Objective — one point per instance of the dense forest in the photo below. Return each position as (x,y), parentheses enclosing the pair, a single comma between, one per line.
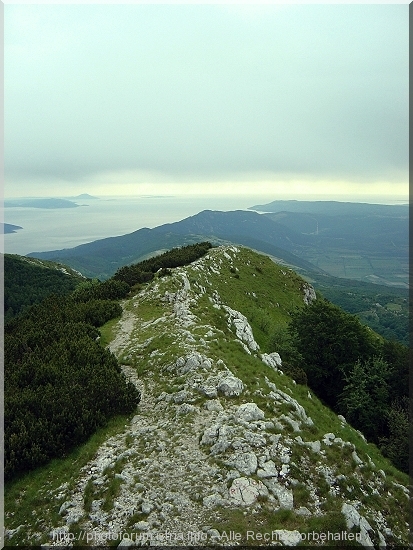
(385,309)
(27,282)
(144,271)
(354,371)
(61,385)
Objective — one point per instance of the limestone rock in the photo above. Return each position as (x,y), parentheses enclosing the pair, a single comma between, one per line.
(192,362)
(243,329)
(248,412)
(273,360)
(309,293)
(356,458)
(126,543)
(213,534)
(268,470)
(303,511)
(246,463)
(142,526)
(286,538)
(354,519)
(64,507)
(210,435)
(315,446)
(208,391)
(186,408)
(213,500)
(245,491)
(146,508)
(213,405)
(230,386)
(328,439)
(284,495)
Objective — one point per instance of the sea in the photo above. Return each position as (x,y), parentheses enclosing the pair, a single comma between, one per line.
(56,229)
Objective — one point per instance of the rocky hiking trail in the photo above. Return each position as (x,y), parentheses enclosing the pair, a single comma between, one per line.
(204,444)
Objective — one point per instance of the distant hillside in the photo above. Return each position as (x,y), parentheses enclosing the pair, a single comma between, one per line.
(28,281)
(367,242)
(103,257)
(334,208)
(309,243)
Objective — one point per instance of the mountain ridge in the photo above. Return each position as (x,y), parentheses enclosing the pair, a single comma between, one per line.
(207,225)
(222,439)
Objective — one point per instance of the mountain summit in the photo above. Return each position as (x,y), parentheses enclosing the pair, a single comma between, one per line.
(224,448)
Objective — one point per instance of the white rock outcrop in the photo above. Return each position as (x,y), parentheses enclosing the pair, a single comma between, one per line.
(243,329)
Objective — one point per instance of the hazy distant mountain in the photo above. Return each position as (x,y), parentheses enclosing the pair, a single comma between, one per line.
(103,257)
(368,242)
(333,208)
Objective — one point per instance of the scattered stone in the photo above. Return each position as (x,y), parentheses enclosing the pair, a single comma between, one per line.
(9,533)
(180,397)
(210,435)
(248,412)
(126,543)
(356,458)
(303,511)
(309,293)
(208,391)
(286,538)
(213,534)
(285,470)
(186,408)
(230,386)
(213,405)
(354,519)
(268,470)
(243,329)
(315,446)
(146,508)
(64,507)
(212,501)
(246,463)
(273,360)
(328,439)
(245,491)
(142,526)
(284,495)
(293,423)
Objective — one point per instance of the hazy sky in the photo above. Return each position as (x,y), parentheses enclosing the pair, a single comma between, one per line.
(151,98)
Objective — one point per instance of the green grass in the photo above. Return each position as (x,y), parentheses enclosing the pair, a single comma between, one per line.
(31,492)
(107,332)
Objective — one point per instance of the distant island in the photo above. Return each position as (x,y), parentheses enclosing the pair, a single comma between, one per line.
(39,203)
(332,208)
(86,196)
(9,228)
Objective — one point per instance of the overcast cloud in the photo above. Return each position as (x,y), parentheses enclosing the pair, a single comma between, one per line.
(108,98)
